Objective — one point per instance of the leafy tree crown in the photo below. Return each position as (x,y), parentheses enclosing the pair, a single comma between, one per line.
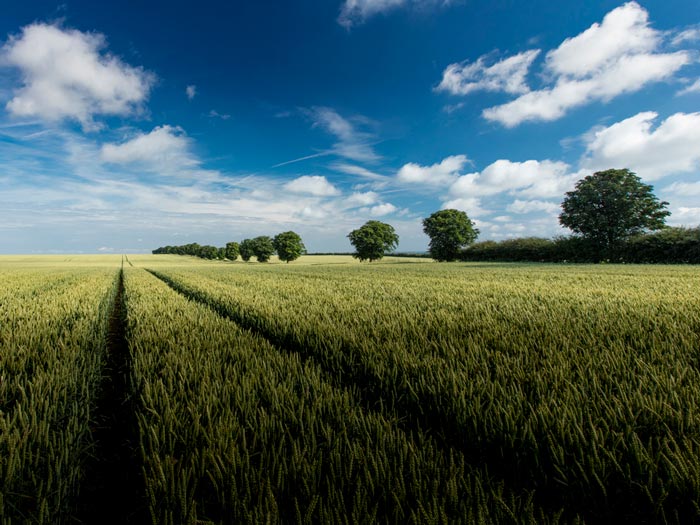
(609,206)
(288,246)
(372,240)
(450,231)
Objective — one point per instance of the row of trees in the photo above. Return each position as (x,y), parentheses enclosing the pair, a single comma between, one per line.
(450,231)
(287,245)
(605,211)
(610,212)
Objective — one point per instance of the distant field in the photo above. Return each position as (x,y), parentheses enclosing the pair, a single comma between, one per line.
(327,391)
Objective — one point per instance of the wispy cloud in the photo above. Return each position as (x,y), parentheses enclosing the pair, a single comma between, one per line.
(353,143)
(506,75)
(355,12)
(215,114)
(191,92)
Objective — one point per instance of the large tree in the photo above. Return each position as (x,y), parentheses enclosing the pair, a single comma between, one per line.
(246,249)
(288,246)
(372,240)
(609,206)
(450,231)
(232,251)
(263,248)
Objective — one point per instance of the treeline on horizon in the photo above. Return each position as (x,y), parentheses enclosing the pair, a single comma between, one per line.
(672,245)
(615,217)
(287,245)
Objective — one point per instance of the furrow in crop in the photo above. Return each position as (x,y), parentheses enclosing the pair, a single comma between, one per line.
(112,491)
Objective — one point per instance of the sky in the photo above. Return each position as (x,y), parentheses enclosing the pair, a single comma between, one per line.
(125,126)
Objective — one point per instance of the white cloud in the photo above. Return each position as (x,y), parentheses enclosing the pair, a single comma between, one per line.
(507,75)
(626,75)
(191,92)
(624,32)
(685,216)
(351,169)
(439,174)
(520,206)
(164,145)
(352,143)
(354,12)
(472,206)
(215,114)
(66,75)
(620,55)
(358,199)
(685,189)
(316,185)
(692,88)
(382,209)
(688,35)
(669,149)
(532,178)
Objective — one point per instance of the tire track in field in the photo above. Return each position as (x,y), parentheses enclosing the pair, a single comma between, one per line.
(112,490)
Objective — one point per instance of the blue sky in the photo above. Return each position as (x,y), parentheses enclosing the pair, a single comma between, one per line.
(125,127)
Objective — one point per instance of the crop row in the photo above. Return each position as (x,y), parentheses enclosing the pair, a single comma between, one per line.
(52,332)
(235,430)
(582,386)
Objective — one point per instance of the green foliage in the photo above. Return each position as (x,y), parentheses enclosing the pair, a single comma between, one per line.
(247,249)
(262,248)
(208,252)
(670,245)
(450,231)
(232,251)
(667,246)
(610,206)
(373,240)
(288,246)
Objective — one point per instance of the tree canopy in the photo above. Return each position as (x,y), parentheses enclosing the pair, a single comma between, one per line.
(262,248)
(288,246)
(246,249)
(450,231)
(610,206)
(232,251)
(372,240)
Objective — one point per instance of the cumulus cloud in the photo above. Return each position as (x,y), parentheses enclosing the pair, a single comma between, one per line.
(191,92)
(439,174)
(622,54)
(671,148)
(66,74)
(316,185)
(382,209)
(359,199)
(521,206)
(507,75)
(531,178)
(472,206)
(164,145)
(354,12)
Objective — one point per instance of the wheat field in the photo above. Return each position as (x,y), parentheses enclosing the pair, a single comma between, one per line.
(328,391)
